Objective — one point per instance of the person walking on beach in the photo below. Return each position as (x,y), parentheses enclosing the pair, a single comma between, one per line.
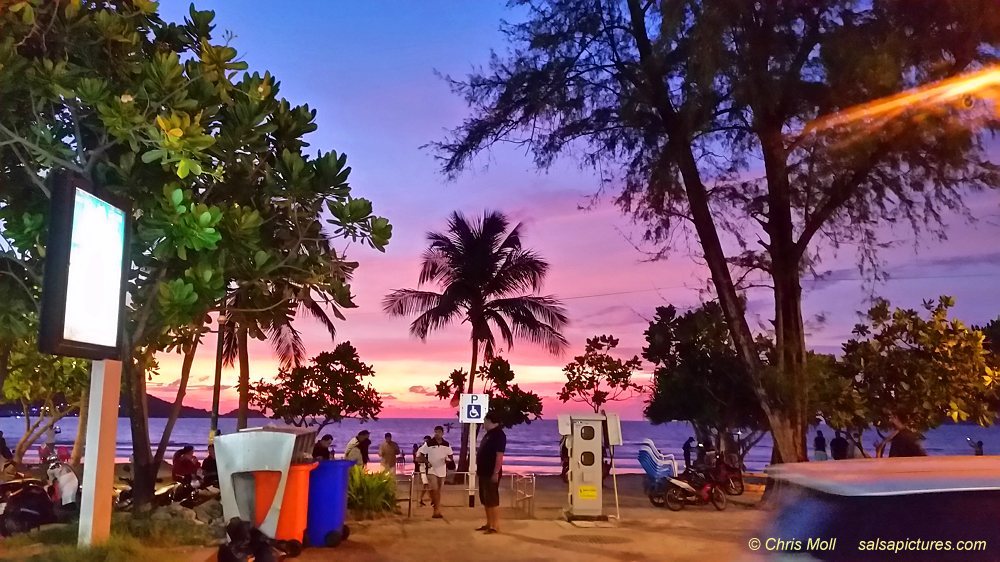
(354,452)
(489,469)
(436,453)
(5,454)
(819,446)
(387,452)
(838,446)
(321,450)
(420,469)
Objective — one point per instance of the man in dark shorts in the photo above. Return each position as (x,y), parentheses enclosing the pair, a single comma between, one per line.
(489,468)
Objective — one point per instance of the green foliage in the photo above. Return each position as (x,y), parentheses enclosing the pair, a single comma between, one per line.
(596,377)
(698,376)
(370,493)
(227,204)
(117,549)
(923,368)
(508,400)
(329,390)
(131,539)
(34,379)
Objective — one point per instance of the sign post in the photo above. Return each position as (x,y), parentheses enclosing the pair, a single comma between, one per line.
(472,410)
(99,470)
(83,299)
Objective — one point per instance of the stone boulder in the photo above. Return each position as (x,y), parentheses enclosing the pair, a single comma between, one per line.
(172,512)
(209,511)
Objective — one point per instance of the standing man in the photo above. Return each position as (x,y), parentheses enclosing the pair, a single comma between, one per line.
(387,452)
(321,450)
(819,446)
(5,453)
(355,452)
(436,454)
(489,469)
(838,446)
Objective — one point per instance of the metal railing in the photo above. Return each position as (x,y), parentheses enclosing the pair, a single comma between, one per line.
(522,488)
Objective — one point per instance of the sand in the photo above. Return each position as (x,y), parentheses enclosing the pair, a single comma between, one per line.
(644,532)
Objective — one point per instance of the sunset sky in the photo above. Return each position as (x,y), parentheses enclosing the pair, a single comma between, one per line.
(369,70)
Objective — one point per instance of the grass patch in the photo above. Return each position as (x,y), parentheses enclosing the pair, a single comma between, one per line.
(117,549)
(162,533)
(129,535)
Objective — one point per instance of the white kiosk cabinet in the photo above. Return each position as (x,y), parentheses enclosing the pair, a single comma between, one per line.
(587,434)
(258,449)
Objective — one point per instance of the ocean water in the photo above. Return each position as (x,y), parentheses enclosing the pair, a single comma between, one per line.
(531,448)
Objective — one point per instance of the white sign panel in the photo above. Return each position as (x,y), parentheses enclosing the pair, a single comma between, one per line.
(93,287)
(472,408)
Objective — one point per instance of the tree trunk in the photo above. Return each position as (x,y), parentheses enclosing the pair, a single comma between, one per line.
(790,346)
(143,470)
(463,455)
(782,427)
(244,383)
(175,412)
(679,150)
(81,429)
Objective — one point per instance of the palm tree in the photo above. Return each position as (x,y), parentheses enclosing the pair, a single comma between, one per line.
(486,279)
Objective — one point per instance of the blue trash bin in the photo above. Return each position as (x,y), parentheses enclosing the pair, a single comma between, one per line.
(328,503)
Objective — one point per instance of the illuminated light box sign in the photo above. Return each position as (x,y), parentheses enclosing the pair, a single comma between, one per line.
(85,273)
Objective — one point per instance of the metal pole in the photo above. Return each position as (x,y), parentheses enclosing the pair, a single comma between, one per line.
(217,385)
(472,463)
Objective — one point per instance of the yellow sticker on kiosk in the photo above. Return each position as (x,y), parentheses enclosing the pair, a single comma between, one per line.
(588,492)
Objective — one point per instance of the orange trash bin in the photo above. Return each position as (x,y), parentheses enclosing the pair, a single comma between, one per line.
(294,514)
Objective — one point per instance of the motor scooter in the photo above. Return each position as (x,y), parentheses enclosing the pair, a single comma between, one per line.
(693,488)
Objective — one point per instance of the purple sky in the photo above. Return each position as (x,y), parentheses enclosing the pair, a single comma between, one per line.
(368,68)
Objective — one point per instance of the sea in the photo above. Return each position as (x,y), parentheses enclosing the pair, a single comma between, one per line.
(531,448)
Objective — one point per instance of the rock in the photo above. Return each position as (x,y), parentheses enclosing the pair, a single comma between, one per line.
(208,511)
(173,511)
(44,528)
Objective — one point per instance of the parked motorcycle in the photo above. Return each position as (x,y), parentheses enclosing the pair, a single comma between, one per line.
(25,504)
(188,493)
(726,473)
(694,488)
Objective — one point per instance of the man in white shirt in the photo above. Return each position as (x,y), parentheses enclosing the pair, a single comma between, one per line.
(436,453)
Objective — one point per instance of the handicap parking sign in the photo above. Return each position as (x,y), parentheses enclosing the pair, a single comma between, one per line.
(472,408)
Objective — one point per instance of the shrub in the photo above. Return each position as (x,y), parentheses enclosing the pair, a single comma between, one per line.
(370,494)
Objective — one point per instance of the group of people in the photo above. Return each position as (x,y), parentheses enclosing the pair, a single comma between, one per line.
(901,442)
(186,466)
(435,457)
(357,450)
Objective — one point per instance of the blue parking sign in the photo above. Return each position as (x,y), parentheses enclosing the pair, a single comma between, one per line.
(473,407)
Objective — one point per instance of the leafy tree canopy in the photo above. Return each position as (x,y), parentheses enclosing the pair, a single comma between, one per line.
(707,117)
(596,377)
(924,368)
(329,390)
(698,376)
(508,400)
(53,384)
(215,163)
